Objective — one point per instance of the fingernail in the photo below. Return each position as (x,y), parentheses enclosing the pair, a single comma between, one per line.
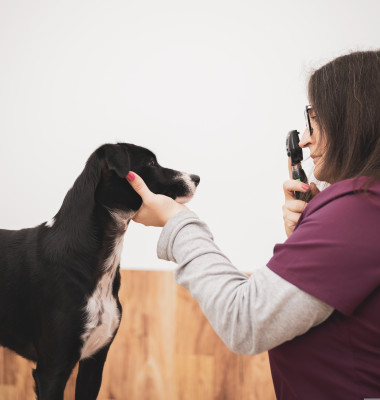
(305,187)
(130,177)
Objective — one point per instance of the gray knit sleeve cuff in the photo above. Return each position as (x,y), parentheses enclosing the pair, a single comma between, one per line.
(170,231)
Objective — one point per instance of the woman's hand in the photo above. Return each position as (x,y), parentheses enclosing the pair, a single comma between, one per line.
(156,209)
(292,209)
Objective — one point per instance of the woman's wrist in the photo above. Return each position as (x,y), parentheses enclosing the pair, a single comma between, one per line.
(174,209)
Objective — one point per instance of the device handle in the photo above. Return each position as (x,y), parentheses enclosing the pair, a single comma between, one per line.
(299,175)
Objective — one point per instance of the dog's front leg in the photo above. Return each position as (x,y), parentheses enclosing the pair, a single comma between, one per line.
(51,381)
(90,374)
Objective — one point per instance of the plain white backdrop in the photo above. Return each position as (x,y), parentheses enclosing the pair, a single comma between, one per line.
(212,87)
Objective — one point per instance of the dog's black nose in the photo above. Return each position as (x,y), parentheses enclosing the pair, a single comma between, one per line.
(196,179)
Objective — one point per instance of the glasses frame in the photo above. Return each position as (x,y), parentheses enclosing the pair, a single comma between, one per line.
(307,118)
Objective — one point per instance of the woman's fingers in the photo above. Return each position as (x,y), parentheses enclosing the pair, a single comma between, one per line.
(290,186)
(156,209)
(293,206)
(139,185)
(292,209)
(290,221)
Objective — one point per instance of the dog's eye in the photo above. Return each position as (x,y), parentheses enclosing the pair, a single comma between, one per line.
(152,163)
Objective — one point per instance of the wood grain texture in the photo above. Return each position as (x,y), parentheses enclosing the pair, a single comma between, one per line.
(165,350)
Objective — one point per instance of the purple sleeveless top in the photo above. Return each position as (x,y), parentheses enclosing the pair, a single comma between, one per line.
(334,255)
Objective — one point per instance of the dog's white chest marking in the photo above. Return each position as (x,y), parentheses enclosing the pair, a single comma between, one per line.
(102,314)
(102,318)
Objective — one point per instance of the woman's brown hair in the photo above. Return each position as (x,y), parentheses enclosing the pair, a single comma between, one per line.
(345,95)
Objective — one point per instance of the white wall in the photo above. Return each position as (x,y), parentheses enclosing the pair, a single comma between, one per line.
(212,87)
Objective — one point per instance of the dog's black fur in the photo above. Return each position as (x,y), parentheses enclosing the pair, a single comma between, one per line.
(49,273)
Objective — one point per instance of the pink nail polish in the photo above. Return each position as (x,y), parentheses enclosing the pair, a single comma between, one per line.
(130,177)
(305,187)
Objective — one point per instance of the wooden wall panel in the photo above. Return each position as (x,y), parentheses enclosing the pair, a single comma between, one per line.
(165,350)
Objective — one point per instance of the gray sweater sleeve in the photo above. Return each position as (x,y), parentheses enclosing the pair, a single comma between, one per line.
(250,314)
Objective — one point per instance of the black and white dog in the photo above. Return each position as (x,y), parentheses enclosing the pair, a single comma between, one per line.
(59,281)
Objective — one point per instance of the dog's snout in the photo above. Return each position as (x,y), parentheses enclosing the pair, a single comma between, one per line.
(196,179)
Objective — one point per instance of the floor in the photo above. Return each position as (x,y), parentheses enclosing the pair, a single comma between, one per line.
(165,350)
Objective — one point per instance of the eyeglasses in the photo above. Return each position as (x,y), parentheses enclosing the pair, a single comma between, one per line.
(307,118)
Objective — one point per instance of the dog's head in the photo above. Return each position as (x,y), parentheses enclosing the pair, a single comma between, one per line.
(116,160)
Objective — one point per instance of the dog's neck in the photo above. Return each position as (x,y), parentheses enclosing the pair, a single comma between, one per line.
(120,219)
(96,233)
(116,223)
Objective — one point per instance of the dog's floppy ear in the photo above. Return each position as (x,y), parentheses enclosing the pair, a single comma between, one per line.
(117,159)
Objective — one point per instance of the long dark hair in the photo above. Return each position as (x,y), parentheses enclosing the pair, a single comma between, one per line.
(345,95)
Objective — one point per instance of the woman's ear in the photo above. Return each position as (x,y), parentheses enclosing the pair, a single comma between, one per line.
(117,159)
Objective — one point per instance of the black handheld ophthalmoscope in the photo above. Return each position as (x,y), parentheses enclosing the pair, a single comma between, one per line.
(295,154)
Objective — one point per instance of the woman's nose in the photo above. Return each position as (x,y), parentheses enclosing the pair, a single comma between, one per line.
(305,139)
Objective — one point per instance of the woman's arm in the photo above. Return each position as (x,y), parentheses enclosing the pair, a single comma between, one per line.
(250,315)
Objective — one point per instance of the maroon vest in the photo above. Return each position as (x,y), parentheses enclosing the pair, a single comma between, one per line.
(334,255)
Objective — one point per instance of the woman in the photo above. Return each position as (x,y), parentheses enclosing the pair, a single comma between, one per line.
(315,306)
